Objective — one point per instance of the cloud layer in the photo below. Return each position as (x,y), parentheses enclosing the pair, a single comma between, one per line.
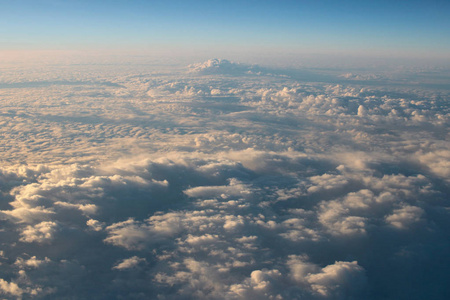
(131,184)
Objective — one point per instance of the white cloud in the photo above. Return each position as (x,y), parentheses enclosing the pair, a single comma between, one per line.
(129,263)
(95,224)
(222,66)
(339,280)
(326,182)
(42,232)
(10,288)
(260,285)
(32,262)
(438,161)
(235,188)
(405,217)
(128,234)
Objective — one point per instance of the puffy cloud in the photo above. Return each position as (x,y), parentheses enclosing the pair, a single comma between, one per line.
(39,233)
(222,66)
(341,280)
(326,182)
(128,234)
(260,285)
(95,225)
(32,262)
(438,161)
(88,209)
(235,188)
(10,288)
(129,263)
(405,217)
(134,235)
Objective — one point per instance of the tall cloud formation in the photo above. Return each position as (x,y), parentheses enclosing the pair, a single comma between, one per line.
(221,66)
(137,184)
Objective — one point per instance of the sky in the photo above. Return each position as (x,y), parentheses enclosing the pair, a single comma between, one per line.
(224,150)
(398,28)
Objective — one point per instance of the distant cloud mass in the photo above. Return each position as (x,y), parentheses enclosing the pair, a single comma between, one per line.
(221,66)
(223,180)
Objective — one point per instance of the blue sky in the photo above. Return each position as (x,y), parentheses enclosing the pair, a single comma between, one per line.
(396,27)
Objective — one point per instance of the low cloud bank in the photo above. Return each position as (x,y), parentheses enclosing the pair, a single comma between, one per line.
(173,186)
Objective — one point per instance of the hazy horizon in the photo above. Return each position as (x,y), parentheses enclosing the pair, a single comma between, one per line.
(377,28)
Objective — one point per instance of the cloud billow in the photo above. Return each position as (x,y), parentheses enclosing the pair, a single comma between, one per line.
(222,67)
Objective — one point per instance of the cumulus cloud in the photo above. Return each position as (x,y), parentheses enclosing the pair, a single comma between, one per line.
(133,235)
(39,233)
(32,262)
(404,217)
(10,288)
(341,280)
(220,183)
(221,66)
(129,263)
(235,188)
